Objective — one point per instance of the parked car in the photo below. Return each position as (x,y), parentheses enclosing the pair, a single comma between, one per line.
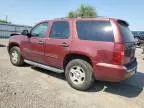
(85,49)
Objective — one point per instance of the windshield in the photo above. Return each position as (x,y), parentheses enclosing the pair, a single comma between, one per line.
(126,33)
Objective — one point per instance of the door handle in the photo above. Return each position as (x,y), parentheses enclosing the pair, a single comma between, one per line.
(64,45)
(40,42)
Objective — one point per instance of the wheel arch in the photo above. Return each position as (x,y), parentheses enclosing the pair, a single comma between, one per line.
(12,45)
(72,56)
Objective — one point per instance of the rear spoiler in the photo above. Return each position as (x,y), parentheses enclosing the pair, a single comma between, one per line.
(122,22)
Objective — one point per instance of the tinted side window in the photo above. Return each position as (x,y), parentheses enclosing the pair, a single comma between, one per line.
(126,33)
(60,30)
(39,30)
(95,30)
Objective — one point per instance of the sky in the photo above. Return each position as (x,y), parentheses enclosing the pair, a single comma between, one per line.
(29,12)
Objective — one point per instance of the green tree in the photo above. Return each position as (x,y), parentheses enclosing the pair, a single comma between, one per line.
(3,21)
(84,11)
(71,14)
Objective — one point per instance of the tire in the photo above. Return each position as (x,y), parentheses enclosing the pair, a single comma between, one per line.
(18,59)
(85,69)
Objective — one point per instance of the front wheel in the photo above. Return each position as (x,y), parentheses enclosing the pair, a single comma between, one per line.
(15,56)
(79,74)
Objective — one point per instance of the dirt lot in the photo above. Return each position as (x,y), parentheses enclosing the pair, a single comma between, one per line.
(30,87)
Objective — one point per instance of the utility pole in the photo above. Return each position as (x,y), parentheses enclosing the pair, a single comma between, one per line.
(6,18)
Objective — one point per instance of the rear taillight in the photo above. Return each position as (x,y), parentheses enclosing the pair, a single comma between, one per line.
(118,56)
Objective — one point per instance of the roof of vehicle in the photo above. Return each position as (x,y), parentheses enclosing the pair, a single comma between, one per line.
(97,18)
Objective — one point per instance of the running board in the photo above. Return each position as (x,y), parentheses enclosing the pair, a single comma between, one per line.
(44,66)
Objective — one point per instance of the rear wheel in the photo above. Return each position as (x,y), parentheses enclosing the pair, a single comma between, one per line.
(15,56)
(79,74)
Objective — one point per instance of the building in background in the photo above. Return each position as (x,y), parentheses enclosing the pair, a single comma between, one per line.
(7,28)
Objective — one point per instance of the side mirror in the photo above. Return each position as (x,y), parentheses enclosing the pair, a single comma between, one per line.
(26,33)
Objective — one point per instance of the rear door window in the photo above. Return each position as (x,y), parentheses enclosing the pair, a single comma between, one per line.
(95,30)
(60,30)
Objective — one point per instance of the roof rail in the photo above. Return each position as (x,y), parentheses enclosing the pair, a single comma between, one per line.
(60,18)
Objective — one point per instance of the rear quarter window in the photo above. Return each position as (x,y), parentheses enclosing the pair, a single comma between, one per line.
(95,30)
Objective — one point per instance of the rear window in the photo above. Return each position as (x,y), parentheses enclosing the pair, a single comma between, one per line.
(95,30)
(126,33)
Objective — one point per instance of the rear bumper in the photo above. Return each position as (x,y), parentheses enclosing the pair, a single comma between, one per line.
(130,73)
(115,73)
(131,69)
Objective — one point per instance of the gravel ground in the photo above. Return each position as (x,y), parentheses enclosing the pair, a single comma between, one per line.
(31,87)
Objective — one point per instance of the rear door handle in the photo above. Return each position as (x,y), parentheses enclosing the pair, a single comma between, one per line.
(40,42)
(64,45)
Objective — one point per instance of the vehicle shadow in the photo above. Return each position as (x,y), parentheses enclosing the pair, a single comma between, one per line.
(25,65)
(53,74)
(128,88)
(1,45)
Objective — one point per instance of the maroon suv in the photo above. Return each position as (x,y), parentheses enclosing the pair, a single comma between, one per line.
(84,49)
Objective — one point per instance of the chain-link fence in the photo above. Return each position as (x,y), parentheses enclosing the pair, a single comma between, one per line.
(7,29)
